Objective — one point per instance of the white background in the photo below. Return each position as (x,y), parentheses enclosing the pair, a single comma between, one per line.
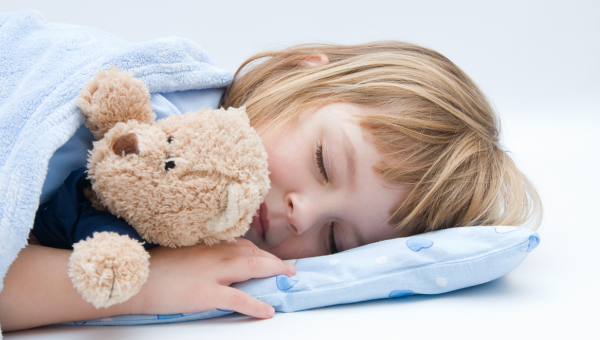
(538,61)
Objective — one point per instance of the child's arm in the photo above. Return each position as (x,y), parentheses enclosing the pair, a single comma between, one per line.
(37,290)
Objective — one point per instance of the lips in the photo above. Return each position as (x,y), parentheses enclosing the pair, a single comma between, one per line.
(260,221)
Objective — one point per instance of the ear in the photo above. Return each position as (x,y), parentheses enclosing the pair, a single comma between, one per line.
(125,145)
(314,60)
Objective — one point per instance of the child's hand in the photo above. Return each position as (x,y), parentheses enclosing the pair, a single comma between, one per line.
(197,278)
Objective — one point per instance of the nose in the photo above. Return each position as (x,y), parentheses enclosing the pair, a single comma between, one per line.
(303,213)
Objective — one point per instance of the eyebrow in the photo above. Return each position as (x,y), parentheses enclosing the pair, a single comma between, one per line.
(349,152)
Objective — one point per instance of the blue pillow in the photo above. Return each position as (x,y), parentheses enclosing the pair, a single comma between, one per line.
(430,263)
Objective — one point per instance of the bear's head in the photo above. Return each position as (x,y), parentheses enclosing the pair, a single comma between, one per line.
(183,180)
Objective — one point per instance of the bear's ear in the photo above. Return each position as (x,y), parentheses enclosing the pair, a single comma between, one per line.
(113,96)
(126,144)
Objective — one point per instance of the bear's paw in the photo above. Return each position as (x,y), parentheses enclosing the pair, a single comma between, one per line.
(108,268)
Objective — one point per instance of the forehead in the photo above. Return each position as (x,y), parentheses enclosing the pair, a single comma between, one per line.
(335,113)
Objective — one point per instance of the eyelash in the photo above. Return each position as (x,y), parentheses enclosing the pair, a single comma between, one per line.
(332,246)
(320,162)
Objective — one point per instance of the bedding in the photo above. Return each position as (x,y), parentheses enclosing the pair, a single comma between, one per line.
(430,263)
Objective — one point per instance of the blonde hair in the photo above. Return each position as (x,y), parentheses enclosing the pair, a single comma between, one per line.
(437,133)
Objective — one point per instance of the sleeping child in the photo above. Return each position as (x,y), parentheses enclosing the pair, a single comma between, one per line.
(365,143)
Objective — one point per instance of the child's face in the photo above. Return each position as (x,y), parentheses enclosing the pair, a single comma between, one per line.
(324,193)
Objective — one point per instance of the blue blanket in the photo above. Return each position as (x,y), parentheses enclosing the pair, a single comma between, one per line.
(43,66)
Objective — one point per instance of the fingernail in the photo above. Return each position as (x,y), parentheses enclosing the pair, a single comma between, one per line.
(270,312)
(291,269)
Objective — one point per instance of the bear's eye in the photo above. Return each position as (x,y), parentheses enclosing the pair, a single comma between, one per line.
(169,140)
(169,165)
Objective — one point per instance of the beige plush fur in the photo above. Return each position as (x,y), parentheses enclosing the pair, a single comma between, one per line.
(113,97)
(108,268)
(183,180)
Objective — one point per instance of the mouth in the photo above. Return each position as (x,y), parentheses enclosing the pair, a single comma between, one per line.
(260,221)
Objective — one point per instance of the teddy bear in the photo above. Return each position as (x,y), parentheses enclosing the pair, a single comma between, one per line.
(186,179)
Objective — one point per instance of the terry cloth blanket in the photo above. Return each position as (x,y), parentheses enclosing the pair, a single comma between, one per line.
(43,66)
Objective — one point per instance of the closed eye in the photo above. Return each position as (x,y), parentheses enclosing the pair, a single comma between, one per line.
(321,163)
(332,245)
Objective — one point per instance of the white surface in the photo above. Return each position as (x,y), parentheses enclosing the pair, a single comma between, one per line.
(539,62)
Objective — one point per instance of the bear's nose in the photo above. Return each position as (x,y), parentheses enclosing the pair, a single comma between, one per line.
(126,144)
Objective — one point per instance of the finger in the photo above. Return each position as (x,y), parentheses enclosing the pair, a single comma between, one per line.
(244,268)
(235,299)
